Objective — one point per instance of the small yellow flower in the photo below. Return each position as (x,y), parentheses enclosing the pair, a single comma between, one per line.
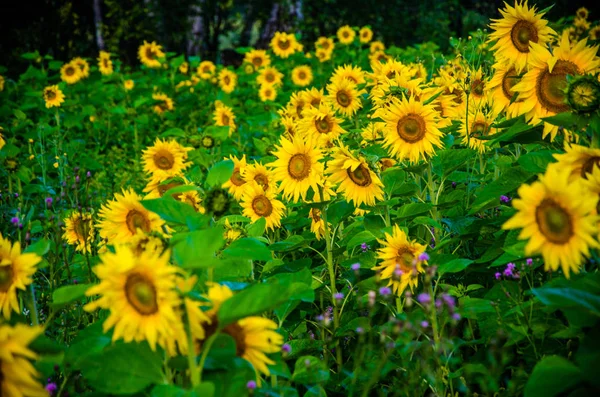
(128,84)
(55,164)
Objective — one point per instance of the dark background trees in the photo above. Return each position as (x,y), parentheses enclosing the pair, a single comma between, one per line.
(69,28)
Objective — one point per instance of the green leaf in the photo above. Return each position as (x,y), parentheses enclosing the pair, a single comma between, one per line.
(338,211)
(565,298)
(220,173)
(170,210)
(40,247)
(288,244)
(454,266)
(412,209)
(69,294)
(536,162)
(173,132)
(20,115)
(217,132)
(187,254)
(364,236)
(552,376)
(510,180)
(393,178)
(257,228)
(310,370)
(249,248)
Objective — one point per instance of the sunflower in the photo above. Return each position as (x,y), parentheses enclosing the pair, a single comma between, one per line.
(357,182)
(594,33)
(2,141)
(261,175)
(150,53)
(400,261)
(324,43)
(302,75)
(284,44)
(206,70)
(267,92)
(397,87)
(17,375)
(257,58)
(444,104)
(184,68)
(1,83)
(70,73)
(217,202)
(580,161)
(520,26)
(346,35)
(164,103)
(157,188)
(79,231)
(256,204)
(313,97)
(224,116)
(344,97)
(123,216)
(297,105)
(320,122)
(232,232)
(479,124)
(378,58)
(290,125)
(146,242)
(269,75)
(372,133)
(227,80)
(365,34)
(555,217)
(582,13)
(16,271)
(297,167)
(53,96)
(501,90)
(323,55)
(128,85)
(349,72)
(542,88)
(317,224)
(165,159)
(235,184)
(83,65)
(376,46)
(139,291)
(477,88)
(105,64)
(411,130)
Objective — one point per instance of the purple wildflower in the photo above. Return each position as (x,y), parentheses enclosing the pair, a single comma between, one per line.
(385,291)
(251,385)
(51,388)
(423,257)
(355,266)
(498,275)
(424,298)
(424,324)
(364,247)
(14,220)
(529,261)
(504,199)
(286,348)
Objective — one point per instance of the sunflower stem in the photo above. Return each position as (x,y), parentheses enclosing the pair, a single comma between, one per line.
(205,350)
(195,374)
(433,199)
(32,306)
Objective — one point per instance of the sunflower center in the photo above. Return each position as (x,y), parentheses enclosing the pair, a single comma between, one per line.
(82,228)
(150,54)
(141,294)
(325,45)
(262,206)
(404,258)
(343,98)
(588,166)
(554,222)
(206,69)
(164,160)
(411,128)
(257,61)
(262,181)
(315,214)
(522,33)
(360,176)
(268,92)
(6,277)
(302,75)
(299,108)
(550,87)
(136,220)
(323,125)
(237,333)
(299,166)
(236,178)
(162,189)
(226,80)
(270,77)
(510,79)
(207,142)
(477,88)
(479,129)
(50,94)
(225,119)
(346,35)
(315,102)
(284,44)
(105,63)
(70,71)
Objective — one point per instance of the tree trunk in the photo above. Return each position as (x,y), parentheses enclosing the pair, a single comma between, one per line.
(196,35)
(98,23)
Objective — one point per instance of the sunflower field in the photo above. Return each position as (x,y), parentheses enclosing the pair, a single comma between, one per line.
(341,217)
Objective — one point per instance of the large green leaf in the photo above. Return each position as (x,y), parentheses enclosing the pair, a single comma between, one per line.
(566,298)
(197,249)
(220,173)
(248,248)
(68,294)
(490,195)
(171,210)
(552,376)
(310,370)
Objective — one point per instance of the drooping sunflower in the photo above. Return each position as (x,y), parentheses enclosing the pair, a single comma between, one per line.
(555,216)
(261,175)
(165,159)
(269,75)
(139,291)
(164,103)
(344,97)
(257,58)
(376,46)
(206,70)
(349,72)
(283,44)
(84,66)
(477,124)
(150,54)
(79,231)
(320,122)
(542,88)
(379,58)
(146,242)
(357,182)
(224,116)
(16,271)
(297,167)
(128,85)
(232,232)
(346,35)
(227,80)
(124,215)
(256,204)
(105,64)
(365,34)
(70,73)
(520,26)
(411,131)
(235,184)
(579,160)
(53,96)
(371,133)
(313,97)
(18,377)
(217,202)
(317,224)
(267,92)
(302,75)
(400,261)
(297,104)
(501,89)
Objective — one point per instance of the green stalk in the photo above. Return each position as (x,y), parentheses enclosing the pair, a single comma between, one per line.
(205,350)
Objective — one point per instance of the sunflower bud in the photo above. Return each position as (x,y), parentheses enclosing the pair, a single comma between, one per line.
(583,94)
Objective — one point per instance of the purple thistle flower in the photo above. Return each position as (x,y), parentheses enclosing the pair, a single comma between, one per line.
(364,247)
(456,316)
(385,291)
(286,348)
(251,385)
(529,261)
(49,202)
(424,324)
(423,257)
(51,388)
(14,220)
(338,296)
(508,272)
(424,298)
(498,275)
(504,199)
(359,330)
(449,300)
(355,266)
